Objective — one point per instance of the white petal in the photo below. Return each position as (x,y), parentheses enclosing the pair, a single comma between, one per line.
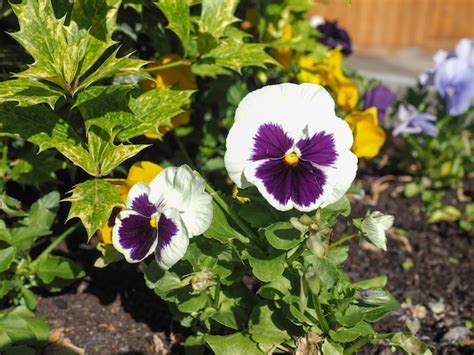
(183,189)
(169,254)
(137,190)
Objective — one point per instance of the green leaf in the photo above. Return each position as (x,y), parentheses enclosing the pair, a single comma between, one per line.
(29,297)
(7,256)
(265,266)
(189,303)
(265,326)
(410,344)
(38,222)
(21,326)
(113,66)
(377,312)
(330,348)
(92,202)
(375,282)
(338,254)
(347,335)
(109,255)
(325,269)
(234,344)
(47,40)
(36,169)
(50,267)
(5,287)
(235,56)
(41,126)
(106,155)
(216,15)
(330,213)
(179,21)
(99,18)
(29,92)
(163,282)
(221,228)
(283,236)
(276,289)
(155,108)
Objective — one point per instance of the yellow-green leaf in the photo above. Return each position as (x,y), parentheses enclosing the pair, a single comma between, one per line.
(29,92)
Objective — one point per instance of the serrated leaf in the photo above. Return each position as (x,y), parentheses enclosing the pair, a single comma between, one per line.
(216,15)
(113,66)
(106,155)
(41,126)
(29,92)
(92,202)
(154,108)
(106,107)
(179,21)
(235,56)
(99,18)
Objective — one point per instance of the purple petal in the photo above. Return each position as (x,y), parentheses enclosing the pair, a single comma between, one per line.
(380,97)
(270,142)
(301,183)
(333,36)
(136,235)
(167,229)
(142,205)
(319,149)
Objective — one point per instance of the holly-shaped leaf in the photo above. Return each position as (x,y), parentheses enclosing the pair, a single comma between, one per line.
(29,92)
(216,15)
(92,202)
(179,21)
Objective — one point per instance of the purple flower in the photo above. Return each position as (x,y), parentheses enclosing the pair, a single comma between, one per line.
(412,122)
(454,80)
(380,97)
(287,141)
(334,36)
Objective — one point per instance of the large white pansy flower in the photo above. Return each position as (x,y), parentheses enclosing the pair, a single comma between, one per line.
(162,216)
(288,142)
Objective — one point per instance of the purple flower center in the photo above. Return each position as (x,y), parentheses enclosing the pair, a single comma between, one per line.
(292,171)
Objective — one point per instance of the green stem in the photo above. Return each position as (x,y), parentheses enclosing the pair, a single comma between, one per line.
(58,240)
(361,342)
(297,253)
(320,313)
(217,294)
(220,201)
(4,164)
(343,240)
(167,66)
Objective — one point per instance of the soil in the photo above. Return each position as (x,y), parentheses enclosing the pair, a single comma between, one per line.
(112,312)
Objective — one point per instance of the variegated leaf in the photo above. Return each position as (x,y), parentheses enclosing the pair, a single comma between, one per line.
(29,92)
(216,15)
(177,14)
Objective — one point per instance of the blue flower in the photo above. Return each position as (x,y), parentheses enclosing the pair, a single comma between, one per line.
(454,80)
(412,122)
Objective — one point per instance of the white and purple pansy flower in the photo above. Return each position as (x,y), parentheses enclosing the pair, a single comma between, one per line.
(288,142)
(162,216)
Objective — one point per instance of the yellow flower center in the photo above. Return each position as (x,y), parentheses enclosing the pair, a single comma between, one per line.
(153,222)
(291,158)
(450,91)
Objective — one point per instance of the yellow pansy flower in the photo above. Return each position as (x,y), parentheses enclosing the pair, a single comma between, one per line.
(369,137)
(142,171)
(180,77)
(328,72)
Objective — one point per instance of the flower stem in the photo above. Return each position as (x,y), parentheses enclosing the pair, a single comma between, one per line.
(58,240)
(343,240)
(227,209)
(217,293)
(320,313)
(167,66)
(361,342)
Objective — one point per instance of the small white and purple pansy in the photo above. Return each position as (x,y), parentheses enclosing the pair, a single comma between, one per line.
(288,142)
(161,217)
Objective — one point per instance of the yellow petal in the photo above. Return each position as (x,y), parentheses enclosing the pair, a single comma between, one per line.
(180,76)
(235,195)
(369,137)
(143,171)
(347,95)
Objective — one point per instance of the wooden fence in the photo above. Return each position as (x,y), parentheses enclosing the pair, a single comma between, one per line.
(383,26)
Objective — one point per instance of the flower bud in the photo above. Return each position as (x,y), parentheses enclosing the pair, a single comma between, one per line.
(201,281)
(374,226)
(316,245)
(313,280)
(374,296)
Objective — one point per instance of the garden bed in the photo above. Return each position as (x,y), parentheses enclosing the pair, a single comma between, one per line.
(112,311)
